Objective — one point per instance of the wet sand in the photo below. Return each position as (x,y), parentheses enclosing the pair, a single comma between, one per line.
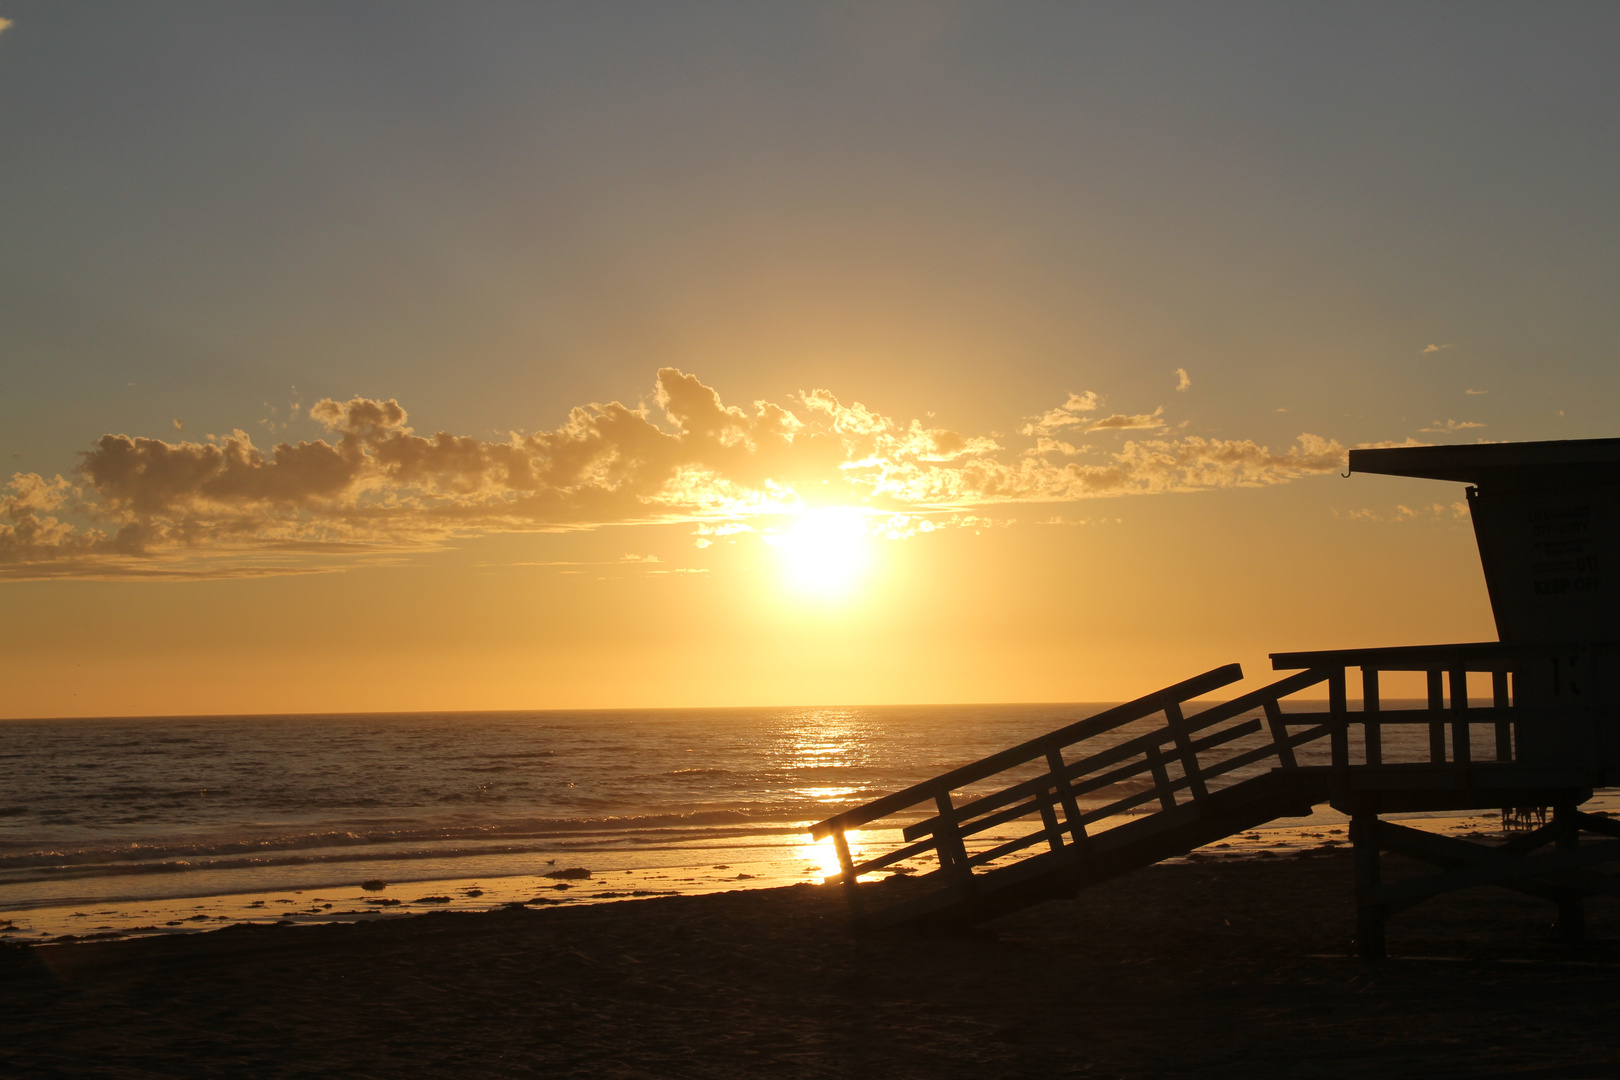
(683,872)
(1214,969)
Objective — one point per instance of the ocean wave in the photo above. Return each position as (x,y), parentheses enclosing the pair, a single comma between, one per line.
(25,874)
(143,791)
(108,855)
(180,866)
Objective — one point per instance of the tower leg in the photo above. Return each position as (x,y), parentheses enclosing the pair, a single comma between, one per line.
(1369,915)
(1571,906)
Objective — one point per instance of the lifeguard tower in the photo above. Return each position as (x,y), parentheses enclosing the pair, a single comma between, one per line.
(1530,720)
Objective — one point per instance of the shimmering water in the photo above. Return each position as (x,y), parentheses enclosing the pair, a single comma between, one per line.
(178,796)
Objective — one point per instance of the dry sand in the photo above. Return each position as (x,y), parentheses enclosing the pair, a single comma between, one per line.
(1235,968)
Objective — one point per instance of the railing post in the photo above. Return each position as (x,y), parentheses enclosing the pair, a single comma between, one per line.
(1279,735)
(1339,711)
(1054,832)
(1189,758)
(1071,809)
(1461,752)
(1161,778)
(1504,729)
(952,852)
(1437,727)
(1372,730)
(852,887)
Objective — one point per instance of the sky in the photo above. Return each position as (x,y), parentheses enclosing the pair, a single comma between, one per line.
(392,356)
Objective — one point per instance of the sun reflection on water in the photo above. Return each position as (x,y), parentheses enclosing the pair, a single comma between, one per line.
(823,856)
(835,752)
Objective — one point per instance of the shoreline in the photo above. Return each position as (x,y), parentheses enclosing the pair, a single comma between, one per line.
(672,871)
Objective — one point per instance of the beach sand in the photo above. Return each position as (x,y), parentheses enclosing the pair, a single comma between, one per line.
(1224,968)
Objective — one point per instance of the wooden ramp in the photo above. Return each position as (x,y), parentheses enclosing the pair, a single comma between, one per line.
(1159,776)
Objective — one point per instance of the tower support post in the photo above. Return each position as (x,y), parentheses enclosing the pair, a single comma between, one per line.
(1370,915)
(1571,906)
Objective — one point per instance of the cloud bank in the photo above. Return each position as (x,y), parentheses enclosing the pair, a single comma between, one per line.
(372,483)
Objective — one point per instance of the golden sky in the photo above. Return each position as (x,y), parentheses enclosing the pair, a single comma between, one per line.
(367,358)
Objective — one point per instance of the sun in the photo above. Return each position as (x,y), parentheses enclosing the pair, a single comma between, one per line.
(826,552)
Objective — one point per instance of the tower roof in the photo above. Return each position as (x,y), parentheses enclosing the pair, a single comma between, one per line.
(1559,463)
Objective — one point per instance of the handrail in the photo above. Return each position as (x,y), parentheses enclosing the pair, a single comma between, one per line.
(1118,752)
(1118,716)
(1256,699)
(1470,655)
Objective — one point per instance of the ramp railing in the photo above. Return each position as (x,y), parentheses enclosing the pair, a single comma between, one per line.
(1180,759)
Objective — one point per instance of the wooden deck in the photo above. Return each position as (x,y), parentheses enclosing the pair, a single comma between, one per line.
(1083,804)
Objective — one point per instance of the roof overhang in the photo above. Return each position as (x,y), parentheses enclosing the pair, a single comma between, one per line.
(1561,463)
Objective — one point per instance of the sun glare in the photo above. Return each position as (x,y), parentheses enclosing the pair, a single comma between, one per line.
(825,552)
(823,854)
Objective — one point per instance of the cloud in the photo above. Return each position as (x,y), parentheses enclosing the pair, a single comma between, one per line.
(153,569)
(31,531)
(1182,382)
(1403,513)
(5,24)
(1121,422)
(1065,415)
(1386,444)
(625,560)
(1044,445)
(1447,427)
(1435,348)
(1059,519)
(373,485)
(1471,392)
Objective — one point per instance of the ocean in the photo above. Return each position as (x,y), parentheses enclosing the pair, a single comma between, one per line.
(130,816)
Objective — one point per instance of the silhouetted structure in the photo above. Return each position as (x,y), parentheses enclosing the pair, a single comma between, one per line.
(1545,517)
